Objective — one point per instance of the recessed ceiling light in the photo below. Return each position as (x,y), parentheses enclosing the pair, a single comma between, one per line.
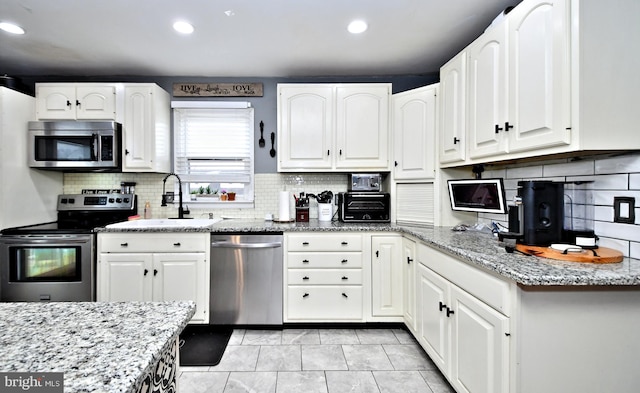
(357,27)
(11,28)
(183,27)
(229,12)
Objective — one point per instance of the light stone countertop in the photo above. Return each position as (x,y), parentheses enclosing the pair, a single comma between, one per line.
(476,248)
(100,347)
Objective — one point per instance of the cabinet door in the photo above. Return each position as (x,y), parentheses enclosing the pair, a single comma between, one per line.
(488,93)
(181,276)
(409,283)
(539,83)
(362,127)
(56,102)
(305,116)
(453,94)
(433,327)
(125,277)
(386,276)
(138,128)
(96,102)
(480,346)
(414,130)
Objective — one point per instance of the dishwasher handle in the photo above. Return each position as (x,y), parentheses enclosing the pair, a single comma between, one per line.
(225,244)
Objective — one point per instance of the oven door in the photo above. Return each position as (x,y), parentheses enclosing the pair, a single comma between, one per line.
(47,268)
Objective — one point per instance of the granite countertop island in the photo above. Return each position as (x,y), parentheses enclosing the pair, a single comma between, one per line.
(478,248)
(100,347)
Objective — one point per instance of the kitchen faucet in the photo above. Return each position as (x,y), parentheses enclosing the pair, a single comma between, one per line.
(164,195)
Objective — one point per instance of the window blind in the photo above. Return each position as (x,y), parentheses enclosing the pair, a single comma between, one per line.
(213,144)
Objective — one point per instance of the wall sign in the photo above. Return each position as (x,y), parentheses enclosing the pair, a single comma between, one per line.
(217,89)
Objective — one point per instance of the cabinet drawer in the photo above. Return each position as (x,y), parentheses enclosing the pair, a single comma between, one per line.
(156,242)
(484,286)
(331,260)
(327,303)
(331,242)
(324,277)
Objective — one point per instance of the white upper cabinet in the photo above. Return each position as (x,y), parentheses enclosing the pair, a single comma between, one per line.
(539,79)
(333,127)
(488,93)
(453,114)
(71,101)
(414,130)
(146,129)
(553,77)
(362,127)
(305,116)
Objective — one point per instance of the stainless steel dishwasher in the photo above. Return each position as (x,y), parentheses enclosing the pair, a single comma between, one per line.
(246,279)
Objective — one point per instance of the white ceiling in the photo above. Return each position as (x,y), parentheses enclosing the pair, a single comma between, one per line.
(262,38)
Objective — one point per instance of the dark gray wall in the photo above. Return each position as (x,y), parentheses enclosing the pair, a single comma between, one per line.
(265,107)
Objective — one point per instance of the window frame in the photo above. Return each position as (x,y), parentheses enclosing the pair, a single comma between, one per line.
(208,202)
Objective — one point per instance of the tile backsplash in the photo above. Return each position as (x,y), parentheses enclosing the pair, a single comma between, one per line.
(267,186)
(609,177)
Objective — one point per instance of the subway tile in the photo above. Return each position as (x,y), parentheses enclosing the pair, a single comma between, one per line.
(634,250)
(622,164)
(602,182)
(524,172)
(575,168)
(606,197)
(616,244)
(634,181)
(618,230)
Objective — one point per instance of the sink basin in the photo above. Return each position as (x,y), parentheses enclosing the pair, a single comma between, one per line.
(165,223)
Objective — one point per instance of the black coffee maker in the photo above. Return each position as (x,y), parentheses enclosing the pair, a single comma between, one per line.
(537,219)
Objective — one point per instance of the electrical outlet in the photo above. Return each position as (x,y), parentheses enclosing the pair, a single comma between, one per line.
(624,210)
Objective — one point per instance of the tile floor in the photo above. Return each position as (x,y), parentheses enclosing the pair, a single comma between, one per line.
(318,360)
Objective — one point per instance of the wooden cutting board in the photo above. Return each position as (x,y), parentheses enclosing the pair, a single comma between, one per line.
(604,254)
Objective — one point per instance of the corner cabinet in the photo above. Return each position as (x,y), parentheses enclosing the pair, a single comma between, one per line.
(341,127)
(155,267)
(464,331)
(146,129)
(414,130)
(75,101)
(539,83)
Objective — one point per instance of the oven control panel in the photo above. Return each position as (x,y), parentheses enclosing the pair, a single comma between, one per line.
(96,202)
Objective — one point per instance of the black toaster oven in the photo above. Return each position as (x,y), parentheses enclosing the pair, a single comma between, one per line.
(364,207)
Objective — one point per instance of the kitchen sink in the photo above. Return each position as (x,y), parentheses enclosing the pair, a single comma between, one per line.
(166,223)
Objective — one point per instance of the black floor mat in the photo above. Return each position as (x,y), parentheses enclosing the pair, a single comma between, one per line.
(203,345)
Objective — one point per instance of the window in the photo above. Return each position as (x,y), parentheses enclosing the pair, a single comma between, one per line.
(213,149)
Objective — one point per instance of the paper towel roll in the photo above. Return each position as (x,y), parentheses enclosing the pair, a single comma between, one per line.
(283,206)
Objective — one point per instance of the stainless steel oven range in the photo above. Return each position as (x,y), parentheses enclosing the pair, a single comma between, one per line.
(56,261)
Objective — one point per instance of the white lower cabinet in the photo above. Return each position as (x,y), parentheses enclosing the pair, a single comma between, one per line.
(386,276)
(323,278)
(155,267)
(409,283)
(466,338)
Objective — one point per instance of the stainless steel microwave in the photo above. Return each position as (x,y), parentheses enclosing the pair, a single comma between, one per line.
(80,146)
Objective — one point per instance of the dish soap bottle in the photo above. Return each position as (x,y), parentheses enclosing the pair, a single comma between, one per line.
(147,210)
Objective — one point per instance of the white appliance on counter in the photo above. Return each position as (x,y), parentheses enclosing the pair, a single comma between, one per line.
(27,196)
